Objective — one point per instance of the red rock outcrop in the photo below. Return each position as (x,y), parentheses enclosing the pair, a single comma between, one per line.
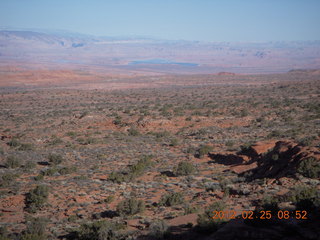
(269,159)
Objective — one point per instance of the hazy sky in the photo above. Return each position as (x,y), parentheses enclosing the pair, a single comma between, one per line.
(206,20)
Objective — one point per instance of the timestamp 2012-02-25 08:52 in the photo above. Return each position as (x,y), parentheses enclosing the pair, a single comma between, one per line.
(263,214)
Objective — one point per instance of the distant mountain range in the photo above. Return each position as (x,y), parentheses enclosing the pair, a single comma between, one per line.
(59,49)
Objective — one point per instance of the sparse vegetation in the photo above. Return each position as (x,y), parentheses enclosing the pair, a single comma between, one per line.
(118,177)
(118,121)
(206,223)
(7,179)
(133,131)
(55,159)
(36,198)
(305,197)
(184,169)
(158,229)
(100,230)
(13,162)
(130,206)
(134,171)
(188,209)
(109,199)
(25,147)
(172,151)
(203,150)
(29,165)
(270,203)
(35,229)
(310,168)
(174,142)
(171,199)
(14,142)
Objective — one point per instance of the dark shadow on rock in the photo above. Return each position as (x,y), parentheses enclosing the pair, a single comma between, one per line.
(69,236)
(105,214)
(248,151)
(282,161)
(168,173)
(227,159)
(43,163)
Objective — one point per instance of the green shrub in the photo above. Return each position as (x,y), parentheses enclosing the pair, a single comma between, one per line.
(109,199)
(55,159)
(80,178)
(49,171)
(133,132)
(305,197)
(229,143)
(203,150)
(161,134)
(275,134)
(67,170)
(14,142)
(87,141)
(3,237)
(40,177)
(270,203)
(7,179)
(307,141)
(100,230)
(172,199)
(224,183)
(138,168)
(73,218)
(35,229)
(117,177)
(158,229)
(205,221)
(184,169)
(130,206)
(4,233)
(174,142)
(117,121)
(134,171)
(188,209)
(36,198)
(12,162)
(309,167)
(71,134)
(26,147)
(212,186)
(61,171)
(55,141)
(30,165)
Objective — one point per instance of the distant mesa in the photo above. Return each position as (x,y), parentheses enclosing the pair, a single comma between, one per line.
(76,45)
(148,56)
(260,54)
(162,61)
(226,74)
(303,71)
(299,70)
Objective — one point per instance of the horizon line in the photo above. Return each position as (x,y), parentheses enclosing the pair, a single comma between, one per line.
(66,31)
